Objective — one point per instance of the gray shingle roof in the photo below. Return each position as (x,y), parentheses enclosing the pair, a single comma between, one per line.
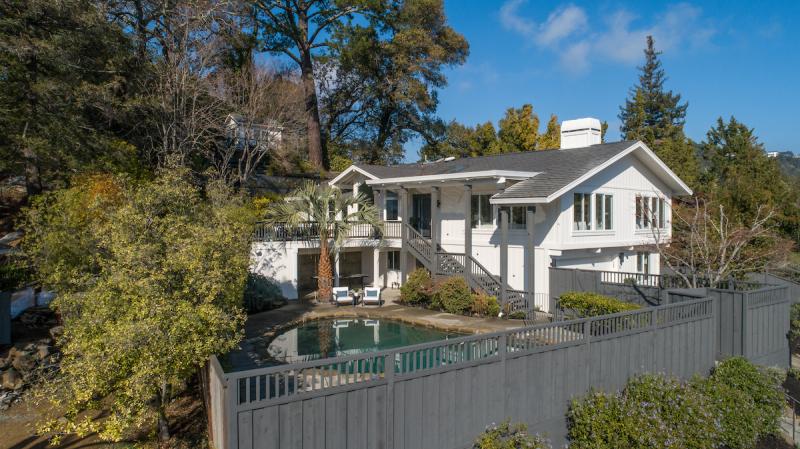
(555,168)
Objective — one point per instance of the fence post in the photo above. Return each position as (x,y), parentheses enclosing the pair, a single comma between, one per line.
(502,349)
(744,302)
(587,337)
(231,404)
(388,373)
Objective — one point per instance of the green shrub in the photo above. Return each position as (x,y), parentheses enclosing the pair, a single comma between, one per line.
(762,386)
(417,288)
(262,293)
(517,315)
(736,411)
(453,295)
(591,304)
(485,305)
(652,411)
(14,275)
(505,436)
(794,329)
(734,407)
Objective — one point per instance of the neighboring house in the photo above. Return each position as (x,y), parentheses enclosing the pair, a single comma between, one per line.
(245,134)
(586,205)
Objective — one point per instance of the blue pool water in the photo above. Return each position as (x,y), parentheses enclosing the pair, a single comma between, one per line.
(331,338)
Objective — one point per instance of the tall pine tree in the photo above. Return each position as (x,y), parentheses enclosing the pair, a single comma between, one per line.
(551,139)
(656,117)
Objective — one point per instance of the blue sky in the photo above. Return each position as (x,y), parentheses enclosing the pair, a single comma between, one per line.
(579,59)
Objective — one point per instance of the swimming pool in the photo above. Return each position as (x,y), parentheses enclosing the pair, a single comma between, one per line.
(332,338)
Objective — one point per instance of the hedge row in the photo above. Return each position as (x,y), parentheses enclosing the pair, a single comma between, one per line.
(588,304)
(734,407)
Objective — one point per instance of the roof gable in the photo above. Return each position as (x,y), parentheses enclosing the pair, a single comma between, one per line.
(548,186)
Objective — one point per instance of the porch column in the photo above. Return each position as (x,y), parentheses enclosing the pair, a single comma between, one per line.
(531,271)
(376,268)
(403,209)
(435,225)
(467,230)
(380,203)
(503,256)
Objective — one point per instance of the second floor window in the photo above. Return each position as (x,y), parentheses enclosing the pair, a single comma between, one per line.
(603,211)
(392,206)
(481,211)
(651,212)
(582,210)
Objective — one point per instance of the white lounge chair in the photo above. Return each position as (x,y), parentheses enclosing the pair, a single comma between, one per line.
(341,295)
(372,295)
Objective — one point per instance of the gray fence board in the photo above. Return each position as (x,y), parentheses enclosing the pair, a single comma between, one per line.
(465,384)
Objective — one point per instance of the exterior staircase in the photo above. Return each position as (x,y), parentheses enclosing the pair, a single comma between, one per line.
(443,263)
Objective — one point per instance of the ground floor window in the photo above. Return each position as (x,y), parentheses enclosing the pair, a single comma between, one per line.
(519,217)
(393,260)
(643,262)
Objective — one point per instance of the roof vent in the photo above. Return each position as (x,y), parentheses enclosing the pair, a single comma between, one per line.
(580,132)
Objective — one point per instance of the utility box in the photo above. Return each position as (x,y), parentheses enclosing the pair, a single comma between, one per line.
(5,318)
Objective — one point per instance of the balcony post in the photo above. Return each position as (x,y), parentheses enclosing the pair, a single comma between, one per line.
(467,230)
(404,218)
(435,227)
(504,257)
(529,226)
(380,204)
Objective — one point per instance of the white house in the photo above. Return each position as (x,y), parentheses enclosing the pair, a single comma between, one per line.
(499,220)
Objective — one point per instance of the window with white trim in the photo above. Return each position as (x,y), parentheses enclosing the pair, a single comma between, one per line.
(651,212)
(518,217)
(393,260)
(481,211)
(582,211)
(392,206)
(643,262)
(603,211)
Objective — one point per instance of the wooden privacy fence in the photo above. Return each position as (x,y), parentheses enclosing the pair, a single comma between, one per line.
(443,394)
(639,288)
(754,324)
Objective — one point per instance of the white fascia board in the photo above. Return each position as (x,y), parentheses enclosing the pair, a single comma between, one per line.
(535,200)
(349,170)
(508,174)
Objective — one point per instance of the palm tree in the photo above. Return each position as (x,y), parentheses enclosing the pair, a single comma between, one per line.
(333,213)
